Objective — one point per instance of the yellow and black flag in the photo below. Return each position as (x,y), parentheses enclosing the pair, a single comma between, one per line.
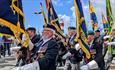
(53,18)
(81,28)
(5,31)
(17,9)
(5,15)
(11,16)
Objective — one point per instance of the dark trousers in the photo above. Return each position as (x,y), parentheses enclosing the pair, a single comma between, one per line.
(21,62)
(0,50)
(6,47)
(60,61)
(102,65)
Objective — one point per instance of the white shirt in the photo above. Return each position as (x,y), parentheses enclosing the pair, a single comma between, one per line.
(91,43)
(45,40)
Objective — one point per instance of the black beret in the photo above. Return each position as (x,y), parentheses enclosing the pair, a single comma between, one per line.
(50,27)
(71,28)
(97,31)
(31,28)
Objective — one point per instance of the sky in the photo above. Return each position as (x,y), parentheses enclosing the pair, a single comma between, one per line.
(65,11)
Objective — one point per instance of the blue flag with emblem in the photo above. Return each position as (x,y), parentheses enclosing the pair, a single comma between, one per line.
(81,37)
(12,17)
(93,16)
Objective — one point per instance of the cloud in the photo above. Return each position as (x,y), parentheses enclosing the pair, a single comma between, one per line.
(112,1)
(66,20)
(29,25)
(113,9)
(86,7)
(57,2)
(73,17)
(99,2)
(72,8)
(73,11)
(69,1)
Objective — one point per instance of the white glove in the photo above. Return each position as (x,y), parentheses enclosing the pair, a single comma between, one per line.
(77,46)
(111,43)
(31,66)
(105,37)
(92,65)
(31,45)
(14,49)
(66,55)
(16,68)
(84,67)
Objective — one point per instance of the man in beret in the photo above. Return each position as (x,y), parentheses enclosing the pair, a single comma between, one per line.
(96,61)
(48,61)
(97,33)
(74,52)
(47,51)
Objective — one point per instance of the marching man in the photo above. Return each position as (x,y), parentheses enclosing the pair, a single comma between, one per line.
(47,52)
(96,62)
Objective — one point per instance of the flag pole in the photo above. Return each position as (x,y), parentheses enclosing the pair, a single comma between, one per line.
(43,14)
